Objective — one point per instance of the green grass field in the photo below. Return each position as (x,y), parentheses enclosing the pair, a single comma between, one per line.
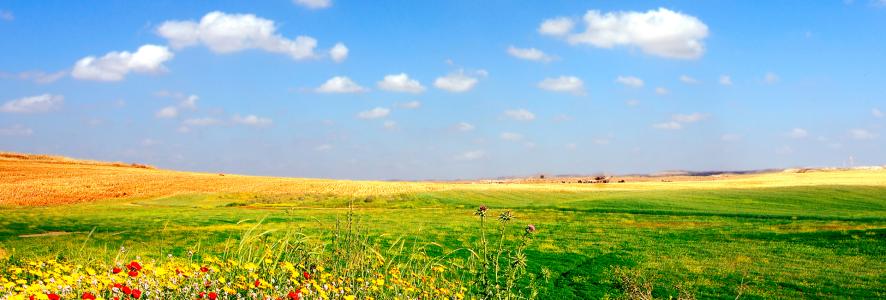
(792,242)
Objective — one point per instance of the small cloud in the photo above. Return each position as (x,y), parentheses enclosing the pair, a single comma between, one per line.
(601,141)
(662,91)
(690,118)
(7,16)
(339,53)
(149,142)
(570,84)
(798,133)
(571,146)
(400,83)
(771,78)
(251,120)
(464,126)
(556,27)
(323,148)
(861,134)
(630,81)
(340,85)
(511,136)
(16,130)
(375,113)
(563,118)
(632,102)
(39,77)
(725,80)
(688,80)
(410,105)
(34,104)
(670,125)
(190,102)
(390,125)
(730,137)
(201,122)
(471,155)
(529,54)
(114,66)
(313,4)
(167,112)
(876,112)
(457,82)
(520,114)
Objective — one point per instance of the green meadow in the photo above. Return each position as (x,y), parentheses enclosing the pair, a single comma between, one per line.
(793,242)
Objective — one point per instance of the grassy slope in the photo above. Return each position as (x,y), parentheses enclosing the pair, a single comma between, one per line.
(783,242)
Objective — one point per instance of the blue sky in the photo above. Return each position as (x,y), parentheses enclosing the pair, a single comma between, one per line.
(446,89)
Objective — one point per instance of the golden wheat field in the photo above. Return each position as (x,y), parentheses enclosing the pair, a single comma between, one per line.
(34,180)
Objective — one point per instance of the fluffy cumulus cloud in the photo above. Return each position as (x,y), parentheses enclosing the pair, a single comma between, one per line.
(471,155)
(313,4)
(678,120)
(16,130)
(519,114)
(167,112)
(34,104)
(339,52)
(251,120)
(410,105)
(660,32)
(401,83)
(725,80)
(798,133)
(556,27)
(662,91)
(114,66)
(861,134)
(457,82)
(569,84)
(630,81)
(876,112)
(375,113)
(464,126)
(228,33)
(688,79)
(340,85)
(529,54)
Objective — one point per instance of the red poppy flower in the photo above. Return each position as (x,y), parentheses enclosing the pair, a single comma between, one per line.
(256,283)
(134,265)
(32,297)
(294,295)
(213,296)
(136,294)
(133,273)
(53,296)
(201,295)
(88,295)
(116,270)
(204,269)
(118,286)
(307,276)
(126,290)
(116,298)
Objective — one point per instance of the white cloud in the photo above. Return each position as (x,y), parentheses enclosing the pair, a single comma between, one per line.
(400,83)
(149,142)
(678,120)
(662,91)
(228,33)
(630,81)
(661,32)
(375,113)
(511,136)
(798,133)
(771,78)
(339,53)
(251,120)
(16,130)
(688,80)
(632,102)
(201,122)
(570,84)
(36,76)
(115,65)
(725,80)
(340,85)
(464,126)
(167,112)
(556,26)
(601,141)
(6,15)
(390,125)
(670,125)
(457,82)
(34,104)
(529,54)
(861,134)
(876,112)
(563,118)
(410,105)
(730,137)
(190,102)
(313,4)
(471,155)
(323,148)
(520,114)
